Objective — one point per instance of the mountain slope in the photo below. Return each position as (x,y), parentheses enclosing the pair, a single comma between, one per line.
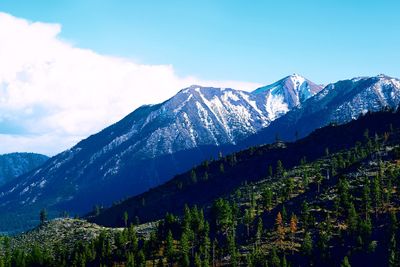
(240,168)
(337,103)
(16,164)
(294,88)
(337,209)
(144,149)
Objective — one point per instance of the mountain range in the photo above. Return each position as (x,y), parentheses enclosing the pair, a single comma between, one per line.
(15,164)
(155,142)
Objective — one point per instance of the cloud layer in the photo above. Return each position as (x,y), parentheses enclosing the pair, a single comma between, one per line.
(53,94)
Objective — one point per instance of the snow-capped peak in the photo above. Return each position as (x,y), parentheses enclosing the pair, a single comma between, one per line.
(294,88)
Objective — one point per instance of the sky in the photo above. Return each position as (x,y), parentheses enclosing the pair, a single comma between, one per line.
(70,68)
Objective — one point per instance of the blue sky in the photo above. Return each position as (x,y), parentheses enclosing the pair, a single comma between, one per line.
(69,68)
(258,41)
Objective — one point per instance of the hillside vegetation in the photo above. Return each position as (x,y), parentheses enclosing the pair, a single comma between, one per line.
(336,206)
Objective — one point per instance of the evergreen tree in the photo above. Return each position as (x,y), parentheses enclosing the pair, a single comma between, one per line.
(284,214)
(130,260)
(232,248)
(318,180)
(197,260)
(280,230)
(247,219)
(352,219)
(43,216)
(366,198)
(126,217)
(376,193)
(205,246)
(289,187)
(307,245)
(259,231)
(345,262)
(279,168)
(270,171)
(267,198)
(140,259)
(284,261)
(185,262)
(293,226)
(205,177)
(274,258)
(193,177)
(344,194)
(169,248)
(222,215)
(323,244)
(221,168)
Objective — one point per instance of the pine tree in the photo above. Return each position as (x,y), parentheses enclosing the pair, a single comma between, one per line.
(275,261)
(376,193)
(221,168)
(247,219)
(205,177)
(232,247)
(140,259)
(185,262)
(323,244)
(366,197)
(279,168)
(280,230)
(126,217)
(132,238)
(344,195)
(270,171)
(43,216)
(197,260)
(284,214)
(345,262)
(284,261)
(290,187)
(307,245)
(193,177)
(293,226)
(205,246)
(169,248)
(222,215)
(130,261)
(318,180)
(259,231)
(267,198)
(352,219)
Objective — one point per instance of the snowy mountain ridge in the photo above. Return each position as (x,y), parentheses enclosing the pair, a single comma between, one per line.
(198,116)
(338,102)
(294,88)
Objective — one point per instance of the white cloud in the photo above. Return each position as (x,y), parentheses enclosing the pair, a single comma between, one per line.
(57,94)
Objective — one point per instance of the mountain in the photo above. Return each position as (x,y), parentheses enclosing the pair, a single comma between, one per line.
(147,148)
(295,89)
(337,205)
(247,166)
(16,164)
(338,102)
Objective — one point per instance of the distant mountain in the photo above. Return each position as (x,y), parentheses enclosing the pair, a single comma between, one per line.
(149,146)
(295,89)
(16,164)
(339,102)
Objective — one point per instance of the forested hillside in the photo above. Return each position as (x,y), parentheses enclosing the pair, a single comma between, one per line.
(336,209)
(217,178)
